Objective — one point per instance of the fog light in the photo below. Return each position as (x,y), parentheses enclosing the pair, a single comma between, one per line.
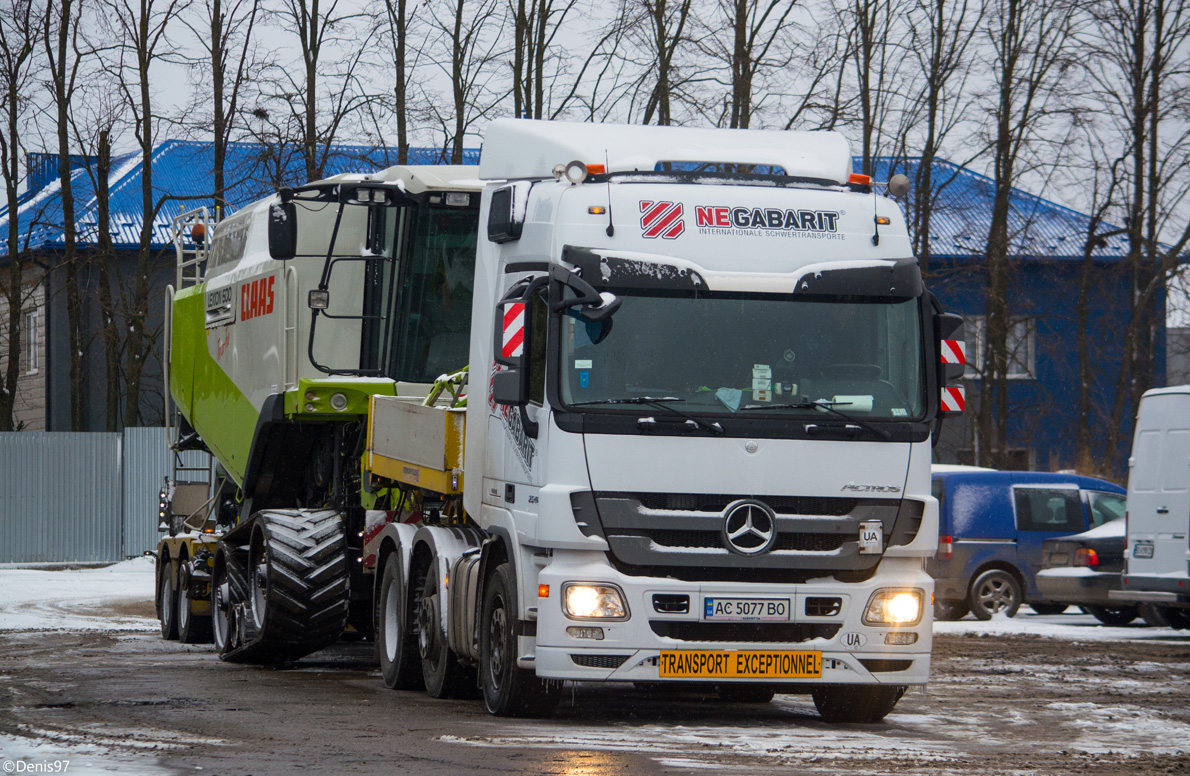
(590,601)
(894,607)
(310,408)
(585,633)
(900,638)
(338,402)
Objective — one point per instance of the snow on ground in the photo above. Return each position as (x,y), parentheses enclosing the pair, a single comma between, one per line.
(89,599)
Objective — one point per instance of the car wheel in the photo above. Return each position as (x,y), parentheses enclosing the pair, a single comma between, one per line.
(1047,608)
(993,592)
(950,610)
(1179,619)
(1113,615)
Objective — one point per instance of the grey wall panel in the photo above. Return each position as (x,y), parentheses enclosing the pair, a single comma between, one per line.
(60,497)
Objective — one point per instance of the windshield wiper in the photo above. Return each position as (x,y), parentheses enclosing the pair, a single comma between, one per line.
(660,402)
(829,406)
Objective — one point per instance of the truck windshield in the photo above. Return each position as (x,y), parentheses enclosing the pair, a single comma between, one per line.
(721,353)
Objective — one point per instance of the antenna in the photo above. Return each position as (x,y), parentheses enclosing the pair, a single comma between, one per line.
(611,228)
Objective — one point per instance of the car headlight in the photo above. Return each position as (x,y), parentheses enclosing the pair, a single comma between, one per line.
(894,607)
(586,601)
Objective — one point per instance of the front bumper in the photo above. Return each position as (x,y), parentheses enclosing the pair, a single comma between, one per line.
(630,650)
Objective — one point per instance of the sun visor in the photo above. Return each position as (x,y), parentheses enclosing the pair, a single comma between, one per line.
(604,270)
(890,279)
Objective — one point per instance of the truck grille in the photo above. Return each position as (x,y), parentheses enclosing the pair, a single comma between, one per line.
(681,535)
(761,633)
(599,661)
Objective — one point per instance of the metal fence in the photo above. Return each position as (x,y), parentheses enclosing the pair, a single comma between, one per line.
(81,497)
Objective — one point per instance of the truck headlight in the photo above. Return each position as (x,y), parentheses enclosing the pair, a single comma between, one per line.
(587,601)
(894,607)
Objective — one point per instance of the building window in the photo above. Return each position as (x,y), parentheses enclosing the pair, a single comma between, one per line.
(1022,347)
(29,362)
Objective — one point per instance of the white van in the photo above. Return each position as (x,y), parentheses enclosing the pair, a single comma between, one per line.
(1157,552)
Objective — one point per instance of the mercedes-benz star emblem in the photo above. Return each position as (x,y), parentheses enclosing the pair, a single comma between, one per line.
(749,528)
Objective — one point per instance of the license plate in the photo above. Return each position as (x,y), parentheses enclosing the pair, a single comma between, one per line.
(740,609)
(1059,559)
(692,664)
(1142,550)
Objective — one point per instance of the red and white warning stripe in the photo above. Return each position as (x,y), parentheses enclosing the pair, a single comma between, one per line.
(661,219)
(954,398)
(514,330)
(954,352)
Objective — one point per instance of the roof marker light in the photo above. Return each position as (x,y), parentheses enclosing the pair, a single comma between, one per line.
(860,180)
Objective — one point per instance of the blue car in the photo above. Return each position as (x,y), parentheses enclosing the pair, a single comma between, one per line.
(992,525)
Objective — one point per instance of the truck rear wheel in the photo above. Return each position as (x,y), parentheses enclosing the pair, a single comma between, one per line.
(220,604)
(167,596)
(192,628)
(508,691)
(856,702)
(395,640)
(1113,615)
(441,671)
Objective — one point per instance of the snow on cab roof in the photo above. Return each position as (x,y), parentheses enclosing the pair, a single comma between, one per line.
(523,148)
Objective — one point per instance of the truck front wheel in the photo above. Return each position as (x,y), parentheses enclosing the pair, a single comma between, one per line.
(508,691)
(395,639)
(856,702)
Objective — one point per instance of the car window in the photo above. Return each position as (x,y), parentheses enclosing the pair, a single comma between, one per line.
(1106,507)
(1049,509)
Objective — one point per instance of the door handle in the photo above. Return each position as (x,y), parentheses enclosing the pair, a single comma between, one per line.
(1163,510)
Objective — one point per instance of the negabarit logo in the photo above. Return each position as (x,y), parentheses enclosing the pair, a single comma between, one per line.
(661,219)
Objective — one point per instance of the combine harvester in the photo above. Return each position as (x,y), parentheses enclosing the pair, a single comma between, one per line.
(704,375)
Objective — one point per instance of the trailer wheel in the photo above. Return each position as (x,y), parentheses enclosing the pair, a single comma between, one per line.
(220,604)
(192,628)
(508,691)
(1179,619)
(1153,615)
(855,702)
(993,592)
(168,595)
(395,640)
(444,676)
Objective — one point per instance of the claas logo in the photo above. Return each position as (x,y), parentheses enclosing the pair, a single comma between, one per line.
(256,298)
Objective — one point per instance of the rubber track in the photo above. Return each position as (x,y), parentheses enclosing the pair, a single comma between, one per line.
(309,591)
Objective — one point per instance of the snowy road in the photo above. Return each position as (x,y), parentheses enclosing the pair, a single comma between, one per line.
(85,680)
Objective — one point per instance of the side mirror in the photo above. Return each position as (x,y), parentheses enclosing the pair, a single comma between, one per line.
(283,230)
(506,213)
(510,386)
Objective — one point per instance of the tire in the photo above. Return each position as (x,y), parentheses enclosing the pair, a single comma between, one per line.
(746,693)
(1179,619)
(1048,608)
(168,597)
(396,640)
(298,590)
(950,610)
(855,702)
(1113,615)
(993,592)
(192,628)
(508,691)
(220,605)
(1154,616)
(443,675)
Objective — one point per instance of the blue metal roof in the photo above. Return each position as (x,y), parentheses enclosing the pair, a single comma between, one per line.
(183,172)
(962,216)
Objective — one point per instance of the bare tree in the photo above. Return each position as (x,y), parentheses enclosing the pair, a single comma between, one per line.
(1139,60)
(141,27)
(750,38)
(327,89)
(64,58)
(1030,42)
(19,23)
(226,37)
(467,50)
